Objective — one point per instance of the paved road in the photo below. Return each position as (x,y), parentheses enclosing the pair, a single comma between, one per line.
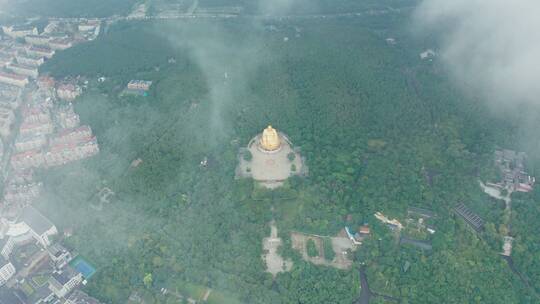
(365,293)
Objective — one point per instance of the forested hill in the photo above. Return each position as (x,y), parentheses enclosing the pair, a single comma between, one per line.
(381,130)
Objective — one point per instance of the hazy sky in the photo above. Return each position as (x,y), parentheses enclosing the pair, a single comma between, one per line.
(492,46)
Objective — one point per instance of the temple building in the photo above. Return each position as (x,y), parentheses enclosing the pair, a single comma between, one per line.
(270,159)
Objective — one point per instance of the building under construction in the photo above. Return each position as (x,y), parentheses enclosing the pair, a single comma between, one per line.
(471,218)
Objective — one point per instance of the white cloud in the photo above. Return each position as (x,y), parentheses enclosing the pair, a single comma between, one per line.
(491,45)
(283,7)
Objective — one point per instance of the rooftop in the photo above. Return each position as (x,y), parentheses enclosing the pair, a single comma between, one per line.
(13,76)
(470,217)
(57,250)
(35,220)
(22,66)
(80,297)
(41,49)
(23,27)
(65,276)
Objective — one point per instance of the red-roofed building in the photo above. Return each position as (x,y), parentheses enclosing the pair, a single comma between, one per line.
(14,194)
(63,153)
(30,60)
(13,79)
(37,39)
(26,143)
(22,69)
(35,114)
(66,117)
(68,91)
(46,82)
(60,44)
(19,31)
(89,25)
(40,51)
(36,128)
(80,134)
(27,159)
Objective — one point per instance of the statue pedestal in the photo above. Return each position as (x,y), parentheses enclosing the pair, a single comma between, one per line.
(270,168)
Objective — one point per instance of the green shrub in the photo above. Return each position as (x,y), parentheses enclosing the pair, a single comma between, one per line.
(329,253)
(247,156)
(291,156)
(311,247)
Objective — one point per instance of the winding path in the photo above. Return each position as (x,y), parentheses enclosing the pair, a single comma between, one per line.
(366,294)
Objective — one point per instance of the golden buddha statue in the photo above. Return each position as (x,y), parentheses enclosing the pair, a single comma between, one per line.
(270,139)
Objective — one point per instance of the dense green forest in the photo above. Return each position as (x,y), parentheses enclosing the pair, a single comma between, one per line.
(381,130)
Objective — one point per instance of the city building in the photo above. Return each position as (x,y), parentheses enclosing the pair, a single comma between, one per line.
(79,297)
(66,116)
(88,25)
(61,283)
(42,40)
(7,244)
(9,51)
(40,51)
(28,159)
(10,92)
(46,82)
(25,70)
(19,31)
(512,167)
(80,134)
(51,27)
(22,194)
(7,270)
(59,255)
(139,85)
(7,114)
(9,104)
(59,35)
(18,48)
(60,43)
(364,231)
(392,224)
(36,113)
(7,117)
(36,128)
(68,91)
(41,228)
(63,153)
(13,79)
(5,128)
(5,59)
(21,177)
(33,61)
(30,142)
